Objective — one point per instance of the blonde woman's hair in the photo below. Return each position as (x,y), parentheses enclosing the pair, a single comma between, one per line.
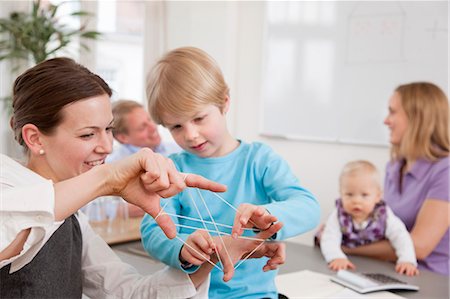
(426,107)
(360,167)
(182,82)
(120,110)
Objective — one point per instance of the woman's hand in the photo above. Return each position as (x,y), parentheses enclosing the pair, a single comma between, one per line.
(143,178)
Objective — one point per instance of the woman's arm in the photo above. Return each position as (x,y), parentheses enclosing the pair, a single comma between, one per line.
(381,250)
(141,179)
(431,224)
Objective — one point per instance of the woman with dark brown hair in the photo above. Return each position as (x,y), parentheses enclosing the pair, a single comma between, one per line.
(62,117)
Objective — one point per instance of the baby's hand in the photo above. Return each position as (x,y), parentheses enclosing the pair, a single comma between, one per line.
(341,264)
(198,248)
(406,268)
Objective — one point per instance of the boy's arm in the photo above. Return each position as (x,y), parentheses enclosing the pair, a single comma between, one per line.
(400,239)
(292,204)
(330,241)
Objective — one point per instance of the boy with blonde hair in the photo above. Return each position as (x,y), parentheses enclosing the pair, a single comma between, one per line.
(361,217)
(188,94)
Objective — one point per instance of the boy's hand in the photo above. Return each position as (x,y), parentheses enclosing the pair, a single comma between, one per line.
(249,215)
(406,268)
(341,264)
(238,249)
(198,248)
(275,251)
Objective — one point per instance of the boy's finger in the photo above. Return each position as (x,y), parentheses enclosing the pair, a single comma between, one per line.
(270,231)
(204,245)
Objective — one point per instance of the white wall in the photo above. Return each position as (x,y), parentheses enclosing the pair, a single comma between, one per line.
(7,143)
(232,32)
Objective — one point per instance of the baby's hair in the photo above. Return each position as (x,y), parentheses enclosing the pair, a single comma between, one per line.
(183,81)
(358,167)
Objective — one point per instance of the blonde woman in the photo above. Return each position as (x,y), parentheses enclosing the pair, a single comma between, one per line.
(417,177)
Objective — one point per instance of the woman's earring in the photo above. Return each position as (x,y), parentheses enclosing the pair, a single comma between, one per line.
(41,152)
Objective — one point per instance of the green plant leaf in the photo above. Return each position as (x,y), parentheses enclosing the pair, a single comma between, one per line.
(81,14)
(39,33)
(91,34)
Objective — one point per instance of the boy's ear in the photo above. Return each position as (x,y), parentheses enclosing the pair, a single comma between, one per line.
(226,106)
(32,138)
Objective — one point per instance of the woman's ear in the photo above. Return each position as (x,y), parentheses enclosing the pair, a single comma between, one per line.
(32,138)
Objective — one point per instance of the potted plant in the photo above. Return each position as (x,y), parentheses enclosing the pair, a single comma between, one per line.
(38,35)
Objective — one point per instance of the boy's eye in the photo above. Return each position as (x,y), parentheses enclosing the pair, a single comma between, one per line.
(198,119)
(86,136)
(175,127)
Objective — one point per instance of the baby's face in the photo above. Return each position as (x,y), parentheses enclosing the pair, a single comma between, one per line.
(360,193)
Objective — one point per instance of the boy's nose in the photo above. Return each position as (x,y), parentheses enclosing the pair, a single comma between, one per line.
(191,133)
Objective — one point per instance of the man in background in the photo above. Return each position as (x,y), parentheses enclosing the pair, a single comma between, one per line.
(134,129)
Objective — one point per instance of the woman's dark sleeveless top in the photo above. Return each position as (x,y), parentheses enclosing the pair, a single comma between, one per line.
(55,272)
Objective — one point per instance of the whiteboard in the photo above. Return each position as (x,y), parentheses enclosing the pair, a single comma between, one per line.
(329,68)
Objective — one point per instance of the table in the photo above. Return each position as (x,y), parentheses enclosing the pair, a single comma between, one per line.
(118,230)
(303,257)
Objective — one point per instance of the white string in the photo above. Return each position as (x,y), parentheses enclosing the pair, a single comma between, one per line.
(230,205)
(220,232)
(185,243)
(185,175)
(206,221)
(162,210)
(214,222)
(203,222)
(226,202)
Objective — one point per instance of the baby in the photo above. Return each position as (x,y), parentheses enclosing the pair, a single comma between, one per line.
(361,217)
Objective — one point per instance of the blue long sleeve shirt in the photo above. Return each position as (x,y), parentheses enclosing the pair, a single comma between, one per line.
(254,174)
